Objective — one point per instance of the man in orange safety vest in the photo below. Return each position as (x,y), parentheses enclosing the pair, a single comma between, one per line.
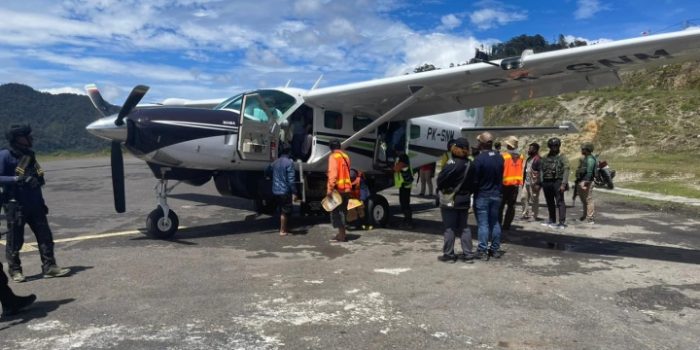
(512,180)
(339,180)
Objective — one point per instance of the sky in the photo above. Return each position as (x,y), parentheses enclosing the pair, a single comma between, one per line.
(202,49)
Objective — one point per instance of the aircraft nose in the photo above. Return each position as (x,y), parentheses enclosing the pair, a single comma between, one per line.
(106,129)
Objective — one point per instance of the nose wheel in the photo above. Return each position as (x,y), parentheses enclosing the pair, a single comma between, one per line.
(162,222)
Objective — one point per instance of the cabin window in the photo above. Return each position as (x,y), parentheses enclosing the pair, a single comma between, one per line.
(360,121)
(333,120)
(415,132)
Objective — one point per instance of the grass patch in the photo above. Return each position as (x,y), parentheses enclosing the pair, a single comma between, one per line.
(650,205)
(671,188)
(664,173)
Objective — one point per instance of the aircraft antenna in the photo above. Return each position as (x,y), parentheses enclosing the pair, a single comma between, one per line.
(288,82)
(317,82)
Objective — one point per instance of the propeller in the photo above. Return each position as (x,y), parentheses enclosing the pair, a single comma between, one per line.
(135,96)
(117,162)
(116,157)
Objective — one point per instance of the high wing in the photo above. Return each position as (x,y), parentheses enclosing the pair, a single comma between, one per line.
(482,84)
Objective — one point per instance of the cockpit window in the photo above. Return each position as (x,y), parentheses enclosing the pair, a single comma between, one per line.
(233,103)
(276,101)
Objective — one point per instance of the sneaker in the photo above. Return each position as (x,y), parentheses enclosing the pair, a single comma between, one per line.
(17,276)
(466,257)
(561,226)
(480,254)
(497,254)
(590,222)
(548,224)
(16,305)
(583,218)
(55,271)
(447,258)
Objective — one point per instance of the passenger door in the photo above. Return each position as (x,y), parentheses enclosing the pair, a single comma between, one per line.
(259,131)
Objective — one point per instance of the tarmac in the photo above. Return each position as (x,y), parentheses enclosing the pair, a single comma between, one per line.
(228,281)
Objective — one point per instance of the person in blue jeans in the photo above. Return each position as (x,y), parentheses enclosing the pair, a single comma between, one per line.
(488,179)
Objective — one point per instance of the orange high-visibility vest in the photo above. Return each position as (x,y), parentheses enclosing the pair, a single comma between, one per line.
(512,170)
(339,172)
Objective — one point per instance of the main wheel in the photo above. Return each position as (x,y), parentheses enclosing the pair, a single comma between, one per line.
(158,226)
(378,208)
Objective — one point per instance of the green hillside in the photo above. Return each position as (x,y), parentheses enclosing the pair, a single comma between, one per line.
(648,128)
(58,121)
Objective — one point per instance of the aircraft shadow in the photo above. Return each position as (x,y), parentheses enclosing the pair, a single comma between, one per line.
(572,243)
(221,201)
(262,225)
(38,310)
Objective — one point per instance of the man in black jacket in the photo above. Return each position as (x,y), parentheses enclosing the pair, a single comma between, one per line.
(456,178)
(22,179)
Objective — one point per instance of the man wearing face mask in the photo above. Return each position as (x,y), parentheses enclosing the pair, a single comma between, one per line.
(22,178)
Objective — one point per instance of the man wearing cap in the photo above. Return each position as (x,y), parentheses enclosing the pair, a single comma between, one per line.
(531,187)
(339,180)
(512,180)
(22,178)
(488,180)
(584,179)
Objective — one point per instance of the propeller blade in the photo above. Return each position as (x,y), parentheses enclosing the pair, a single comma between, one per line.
(134,97)
(118,177)
(96,98)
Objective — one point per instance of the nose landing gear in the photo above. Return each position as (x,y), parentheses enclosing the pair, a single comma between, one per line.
(162,222)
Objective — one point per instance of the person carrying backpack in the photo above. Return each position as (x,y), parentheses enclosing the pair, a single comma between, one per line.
(584,177)
(555,177)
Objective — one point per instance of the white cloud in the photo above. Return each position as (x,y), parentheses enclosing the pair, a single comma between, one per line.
(437,49)
(64,90)
(571,38)
(587,8)
(449,22)
(491,17)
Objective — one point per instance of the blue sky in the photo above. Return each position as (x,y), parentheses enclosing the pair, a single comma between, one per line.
(215,48)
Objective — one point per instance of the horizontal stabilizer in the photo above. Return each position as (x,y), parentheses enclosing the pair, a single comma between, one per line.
(566,127)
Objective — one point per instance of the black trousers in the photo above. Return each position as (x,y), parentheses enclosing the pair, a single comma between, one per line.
(555,199)
(405,201)
(510,197)
(455,223)
(6,294)
(35,217)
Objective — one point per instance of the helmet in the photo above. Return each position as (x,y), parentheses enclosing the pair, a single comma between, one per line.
(553,142)
(17,130)
(587,147)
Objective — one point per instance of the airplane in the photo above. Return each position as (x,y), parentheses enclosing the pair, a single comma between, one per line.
(233,141)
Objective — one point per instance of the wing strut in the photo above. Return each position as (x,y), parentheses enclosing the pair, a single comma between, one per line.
(417,93)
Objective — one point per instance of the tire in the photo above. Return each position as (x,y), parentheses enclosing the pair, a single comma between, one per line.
(265,206)
(378,208)
(159,227)
(607,179)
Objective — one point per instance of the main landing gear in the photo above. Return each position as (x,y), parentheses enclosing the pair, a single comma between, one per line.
(162,222)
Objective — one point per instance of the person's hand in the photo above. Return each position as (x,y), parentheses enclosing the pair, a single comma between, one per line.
(562,188)
(295,198)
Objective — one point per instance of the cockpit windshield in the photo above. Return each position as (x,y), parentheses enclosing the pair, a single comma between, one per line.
(277,102)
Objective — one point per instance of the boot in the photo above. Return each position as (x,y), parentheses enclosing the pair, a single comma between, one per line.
(55,271)
(15,304)
(15,266)
(49,266)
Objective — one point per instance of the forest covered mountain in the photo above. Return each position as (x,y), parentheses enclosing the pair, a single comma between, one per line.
(58,121)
